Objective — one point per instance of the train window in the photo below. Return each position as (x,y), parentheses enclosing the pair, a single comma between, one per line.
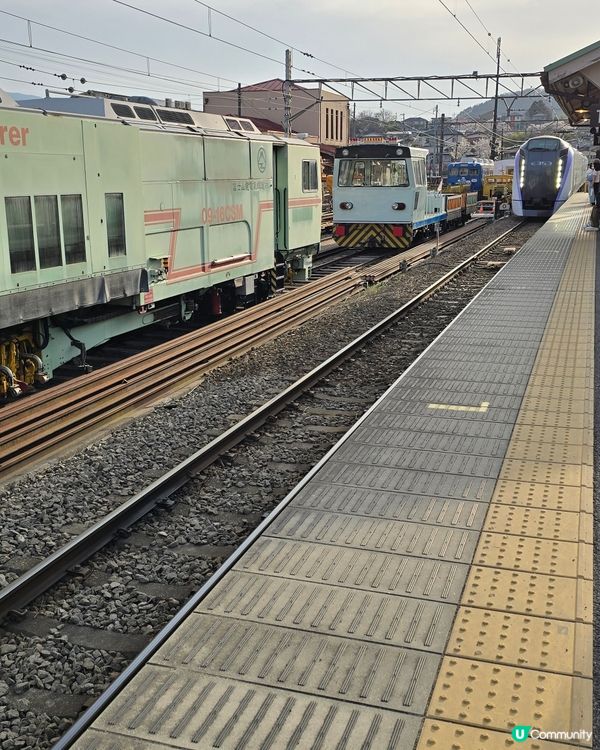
(463,171)
(20,234)
(373,173)
(145,113)
(232,124)
(247,125)
(173,115)
(310,181)
(115,224)
(453,172)
(122,110)
(73,231)
(48,231)
(474,172)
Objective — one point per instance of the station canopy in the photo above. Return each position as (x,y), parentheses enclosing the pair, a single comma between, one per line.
(574,82)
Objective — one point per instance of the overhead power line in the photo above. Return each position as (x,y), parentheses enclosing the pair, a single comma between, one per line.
(180,25)
(109,46)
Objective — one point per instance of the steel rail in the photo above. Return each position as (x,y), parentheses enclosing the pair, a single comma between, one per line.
(27,587)
(60,414)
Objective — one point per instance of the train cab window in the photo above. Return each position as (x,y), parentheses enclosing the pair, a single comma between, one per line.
(232,124)
(453,172)
(115,224)
(73,230)
(474,172)
(19,222)
(463,171)
(310,179)
(48,231)
(373,173)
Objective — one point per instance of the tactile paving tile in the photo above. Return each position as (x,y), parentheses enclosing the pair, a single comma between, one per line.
(445,735)
(499,696)
(543,472)
(523,641)
(568,450)
(196,710)
(535,495)
(401,506)
(527,553)
(434,422)
(371,571)
(362,532)
(540,522)
(334,610)
(464,464)
(529,593)
(305,662)
(407,480)
(430,441)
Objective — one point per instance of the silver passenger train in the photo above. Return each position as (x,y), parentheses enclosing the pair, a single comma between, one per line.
(548,170)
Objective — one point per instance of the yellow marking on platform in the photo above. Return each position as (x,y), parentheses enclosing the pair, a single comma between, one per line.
(528,593)
(527,553)
(446,735)
(535,495)
(540,522)
(523,641)
(457,407)
(500,697)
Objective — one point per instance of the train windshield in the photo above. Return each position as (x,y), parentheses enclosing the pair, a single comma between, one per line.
(373,173)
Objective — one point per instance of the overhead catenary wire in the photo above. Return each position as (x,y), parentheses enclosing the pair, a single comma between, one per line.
(109,46)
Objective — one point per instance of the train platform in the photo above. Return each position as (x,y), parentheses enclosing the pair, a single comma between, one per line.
(429,584)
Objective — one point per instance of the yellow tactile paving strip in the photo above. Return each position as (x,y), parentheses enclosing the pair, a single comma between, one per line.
(520,651)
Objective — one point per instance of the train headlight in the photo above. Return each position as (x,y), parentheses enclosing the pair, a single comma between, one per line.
(398,206)
(399,151)
(345,152)
(346,205)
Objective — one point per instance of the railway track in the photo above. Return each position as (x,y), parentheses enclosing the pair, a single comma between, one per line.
(34,427)
(26,588)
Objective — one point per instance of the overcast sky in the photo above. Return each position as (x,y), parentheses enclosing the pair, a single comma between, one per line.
(376,38)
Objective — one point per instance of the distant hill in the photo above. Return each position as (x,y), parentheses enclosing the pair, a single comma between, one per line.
(522,104)
(20,97)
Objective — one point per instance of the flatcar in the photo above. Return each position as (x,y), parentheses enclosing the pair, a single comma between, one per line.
(381,199)
(548,170)
(117,215)
(470,171)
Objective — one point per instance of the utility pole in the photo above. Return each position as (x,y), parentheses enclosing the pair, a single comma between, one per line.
(495,123)
(239,99)
(287,98)
(437,143)
(441,144)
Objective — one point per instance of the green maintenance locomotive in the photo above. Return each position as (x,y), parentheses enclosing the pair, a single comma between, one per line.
(115,215)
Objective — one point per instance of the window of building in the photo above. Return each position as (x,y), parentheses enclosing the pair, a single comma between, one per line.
(73,230)
(337,125)
(341,126)
(115,224)
(19,222)
(327,123)
(48,231)
(310,180)
(331,123)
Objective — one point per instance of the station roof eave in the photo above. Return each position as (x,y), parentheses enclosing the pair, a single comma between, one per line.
(574,81)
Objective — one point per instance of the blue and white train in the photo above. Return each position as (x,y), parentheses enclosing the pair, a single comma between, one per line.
(547,172)
(380,197)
